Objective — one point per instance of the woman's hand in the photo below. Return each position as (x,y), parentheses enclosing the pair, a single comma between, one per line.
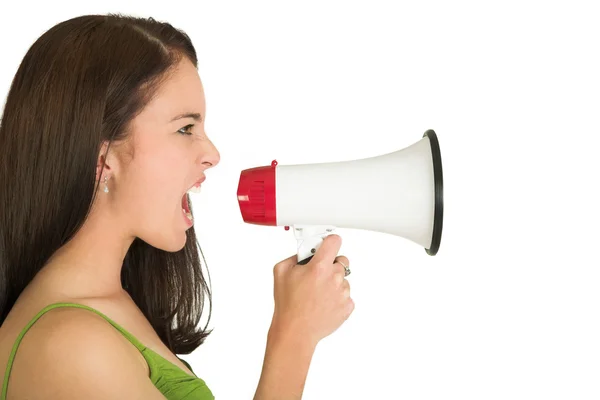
(312,300)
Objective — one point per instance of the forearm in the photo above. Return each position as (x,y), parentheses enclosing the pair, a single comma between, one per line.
(285,368)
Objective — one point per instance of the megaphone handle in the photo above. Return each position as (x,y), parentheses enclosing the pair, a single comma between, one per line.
(308,247)
(305,261)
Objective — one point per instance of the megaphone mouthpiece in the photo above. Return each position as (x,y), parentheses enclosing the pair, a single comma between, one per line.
(257,195)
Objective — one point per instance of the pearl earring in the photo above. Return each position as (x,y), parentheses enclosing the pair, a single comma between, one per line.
(105,185)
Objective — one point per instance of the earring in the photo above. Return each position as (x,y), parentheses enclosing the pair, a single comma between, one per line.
(105,185)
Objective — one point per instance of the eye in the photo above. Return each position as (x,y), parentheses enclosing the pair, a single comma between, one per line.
(185,128)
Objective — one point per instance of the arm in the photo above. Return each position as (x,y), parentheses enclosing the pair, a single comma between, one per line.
(286,364)
(73,354)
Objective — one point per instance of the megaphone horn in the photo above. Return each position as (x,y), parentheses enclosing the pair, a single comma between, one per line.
(400,193)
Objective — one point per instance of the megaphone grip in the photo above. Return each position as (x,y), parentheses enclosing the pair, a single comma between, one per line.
(305,261)
(308,246)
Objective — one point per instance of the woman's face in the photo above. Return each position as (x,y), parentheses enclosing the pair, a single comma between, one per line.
(169,157)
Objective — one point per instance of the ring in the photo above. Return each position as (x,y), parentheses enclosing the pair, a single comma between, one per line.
(346,268)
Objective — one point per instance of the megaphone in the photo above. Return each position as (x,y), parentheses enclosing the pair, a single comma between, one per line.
(400,193)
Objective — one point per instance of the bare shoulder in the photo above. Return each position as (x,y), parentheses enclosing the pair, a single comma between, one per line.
(72,353)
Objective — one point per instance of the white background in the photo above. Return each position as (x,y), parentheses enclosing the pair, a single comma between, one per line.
(509,307)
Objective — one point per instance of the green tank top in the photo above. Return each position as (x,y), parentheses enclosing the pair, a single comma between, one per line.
(173,382)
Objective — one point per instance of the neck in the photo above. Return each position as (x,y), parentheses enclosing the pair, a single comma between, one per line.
(90,264)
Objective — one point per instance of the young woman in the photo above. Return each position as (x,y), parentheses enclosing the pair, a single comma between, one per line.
(101,285)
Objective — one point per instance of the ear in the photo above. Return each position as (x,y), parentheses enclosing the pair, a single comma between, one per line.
(104,165)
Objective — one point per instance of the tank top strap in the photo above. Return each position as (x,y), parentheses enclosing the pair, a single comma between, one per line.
(49,307)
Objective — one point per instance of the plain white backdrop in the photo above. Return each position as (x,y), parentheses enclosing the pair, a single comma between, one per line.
(510,306)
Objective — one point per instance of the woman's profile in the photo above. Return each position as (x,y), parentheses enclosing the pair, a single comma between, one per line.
(101,285)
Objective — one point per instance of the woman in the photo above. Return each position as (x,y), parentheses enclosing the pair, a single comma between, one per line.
(101,285)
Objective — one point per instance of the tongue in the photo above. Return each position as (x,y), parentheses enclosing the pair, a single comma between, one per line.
(184,203)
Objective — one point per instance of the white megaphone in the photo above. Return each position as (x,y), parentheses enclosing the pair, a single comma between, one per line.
(399,193)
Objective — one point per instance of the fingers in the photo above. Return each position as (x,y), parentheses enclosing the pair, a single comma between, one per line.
(346,288)
(284,265)
(349,302)
(349,308)
(326,254)
(338,264)
(338,269)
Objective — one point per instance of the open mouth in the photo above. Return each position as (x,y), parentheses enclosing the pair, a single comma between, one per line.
(185,207)
(185,200)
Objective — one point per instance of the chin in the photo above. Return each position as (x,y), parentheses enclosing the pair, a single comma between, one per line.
(171,244)
(174,247)
(179,245)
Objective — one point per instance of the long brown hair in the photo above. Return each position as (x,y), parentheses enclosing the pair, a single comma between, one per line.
(78,86)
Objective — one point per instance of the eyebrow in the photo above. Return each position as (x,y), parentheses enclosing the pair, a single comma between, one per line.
(195,116)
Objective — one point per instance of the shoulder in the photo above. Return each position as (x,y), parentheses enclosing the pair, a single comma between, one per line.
(73,353)
(75,336)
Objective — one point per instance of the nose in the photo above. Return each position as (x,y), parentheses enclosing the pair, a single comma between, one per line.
(209,155)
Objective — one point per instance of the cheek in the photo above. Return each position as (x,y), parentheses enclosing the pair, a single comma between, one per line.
(156,186)
(159,173)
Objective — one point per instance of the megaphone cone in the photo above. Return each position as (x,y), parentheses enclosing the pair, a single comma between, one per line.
(400,193)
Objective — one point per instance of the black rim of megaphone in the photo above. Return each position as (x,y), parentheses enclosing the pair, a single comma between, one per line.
(438,214)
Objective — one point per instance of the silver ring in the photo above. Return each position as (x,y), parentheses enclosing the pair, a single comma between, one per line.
(346,268)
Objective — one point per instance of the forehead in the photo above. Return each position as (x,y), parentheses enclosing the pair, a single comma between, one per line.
(181,92)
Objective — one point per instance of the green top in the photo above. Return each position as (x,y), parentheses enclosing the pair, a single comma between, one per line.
(173,382)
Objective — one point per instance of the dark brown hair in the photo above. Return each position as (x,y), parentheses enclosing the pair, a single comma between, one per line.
(78,86)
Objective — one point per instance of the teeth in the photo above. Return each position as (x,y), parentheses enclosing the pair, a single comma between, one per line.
(194,189)
(188,215)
